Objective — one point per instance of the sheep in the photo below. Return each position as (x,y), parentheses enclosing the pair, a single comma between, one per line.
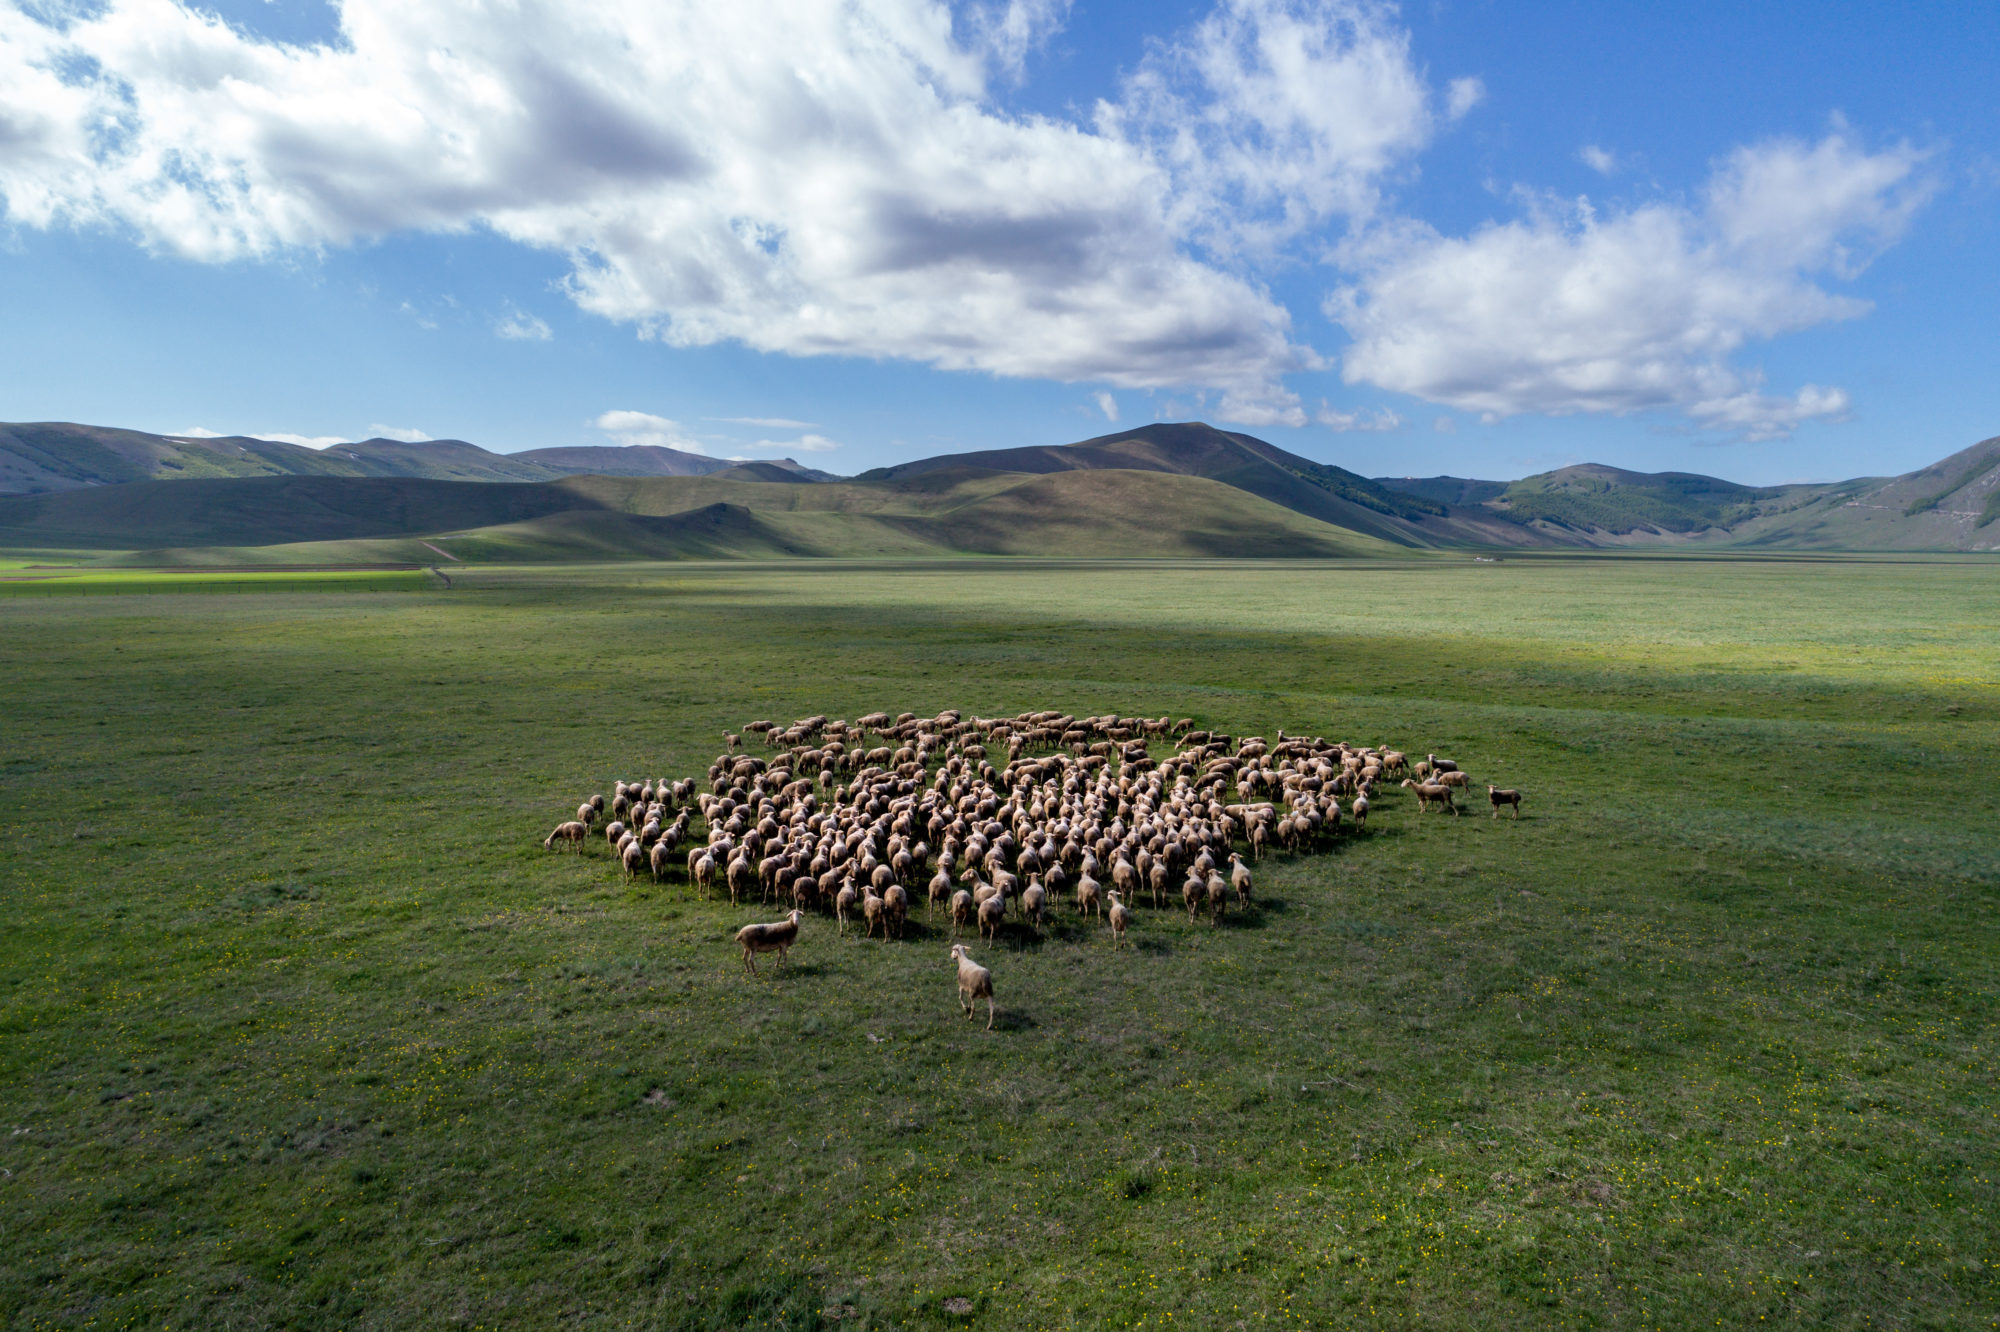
(1453,777)
(895,909)
(1360,812)
(961,911)
(1239,878)
(845,901)
(1087,893)
(704,872)
(974,982)
(738,875)
(633,858)
(1500,797)
(1429,793)
(662,856)
(586,813)
(940,890)
(572,833)
(1032,899)
(873,912)
(1218,898)
(1121,920)
(991,912)
(1193,893)
(777,937)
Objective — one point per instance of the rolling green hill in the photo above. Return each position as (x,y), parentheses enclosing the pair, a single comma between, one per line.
(315,520)
(41,457)
(1953,504)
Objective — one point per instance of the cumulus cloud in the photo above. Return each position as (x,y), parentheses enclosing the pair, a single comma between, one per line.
(1600,160)
(1106,404)
(1277,115)
(303,441)
(767,422)
(406,434)
(518,326)
(1568,310)
(627,427)
(797,177)
(1445,425)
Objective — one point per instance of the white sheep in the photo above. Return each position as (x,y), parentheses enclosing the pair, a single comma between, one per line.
(974,982)
(776,937)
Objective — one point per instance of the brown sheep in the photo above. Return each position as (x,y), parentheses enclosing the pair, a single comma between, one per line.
(961,911)
(571,834)
(1218,898)
(1429,793)
(873,912)
(895,909)
(1500,797)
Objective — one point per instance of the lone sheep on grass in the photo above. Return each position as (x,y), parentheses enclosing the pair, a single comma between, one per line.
(1512,799)
(777,937)
(974,982)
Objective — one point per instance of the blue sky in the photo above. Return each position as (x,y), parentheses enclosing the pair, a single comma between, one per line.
(1479,239)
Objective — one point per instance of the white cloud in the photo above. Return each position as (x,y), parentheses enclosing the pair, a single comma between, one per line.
(767,422)
(794,176)
(1462,96)
(645,428)
(406,434)
(1445,425)
(785,447)
(519,326)
(1567,311)
(280,436)
(1380,420)
(1106,404)
(1278,115)
(1600,160)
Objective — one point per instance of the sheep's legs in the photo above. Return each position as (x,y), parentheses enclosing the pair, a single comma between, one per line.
(989,1012)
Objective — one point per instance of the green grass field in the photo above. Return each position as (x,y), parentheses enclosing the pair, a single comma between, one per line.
(300,1026)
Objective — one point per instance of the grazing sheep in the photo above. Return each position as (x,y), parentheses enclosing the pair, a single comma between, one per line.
(974,982)
(1500,797)
(1453,777)
(777,937)
(1121,920)
(571,833)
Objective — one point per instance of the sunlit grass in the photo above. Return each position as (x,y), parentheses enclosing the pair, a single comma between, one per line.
(301,1026)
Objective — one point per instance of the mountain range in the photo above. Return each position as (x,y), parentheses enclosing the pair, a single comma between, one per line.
(1183,489)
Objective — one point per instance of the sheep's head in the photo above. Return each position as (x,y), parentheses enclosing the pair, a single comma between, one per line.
(958,952)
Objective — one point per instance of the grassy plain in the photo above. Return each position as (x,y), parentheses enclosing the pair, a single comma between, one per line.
(300,1026)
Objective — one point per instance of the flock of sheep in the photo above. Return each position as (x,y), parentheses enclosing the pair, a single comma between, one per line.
(852,817)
